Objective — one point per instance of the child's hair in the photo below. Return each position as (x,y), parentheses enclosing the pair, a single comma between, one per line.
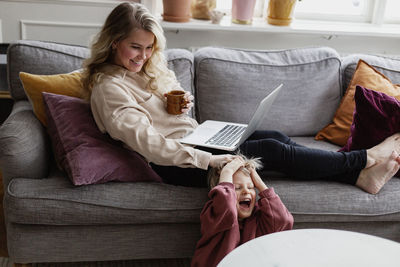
(214,173)
(125,18)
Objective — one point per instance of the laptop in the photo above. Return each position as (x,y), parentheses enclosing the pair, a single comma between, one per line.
(227,135)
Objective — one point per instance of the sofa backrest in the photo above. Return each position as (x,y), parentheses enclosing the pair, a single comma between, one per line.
(230,83)
(46,58)
(387,65)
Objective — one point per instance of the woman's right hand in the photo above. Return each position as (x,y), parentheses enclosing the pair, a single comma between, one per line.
(219,160)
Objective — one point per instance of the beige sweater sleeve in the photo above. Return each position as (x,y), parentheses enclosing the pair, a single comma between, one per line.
(119,114)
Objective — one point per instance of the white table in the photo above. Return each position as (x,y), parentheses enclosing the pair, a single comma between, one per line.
(315,248)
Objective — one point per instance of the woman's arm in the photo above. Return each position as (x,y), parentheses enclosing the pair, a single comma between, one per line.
(125,120)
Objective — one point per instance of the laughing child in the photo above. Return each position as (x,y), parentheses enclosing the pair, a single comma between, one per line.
(232,217)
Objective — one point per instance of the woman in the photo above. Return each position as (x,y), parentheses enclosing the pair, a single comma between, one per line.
(126,78)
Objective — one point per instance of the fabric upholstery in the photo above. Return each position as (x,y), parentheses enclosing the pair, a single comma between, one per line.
(34,202)
(87,155)
(227,79)
(23,144)
(338,131)
(64,84)
(43,58)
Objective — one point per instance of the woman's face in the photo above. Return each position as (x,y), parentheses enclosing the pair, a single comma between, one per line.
(132,52)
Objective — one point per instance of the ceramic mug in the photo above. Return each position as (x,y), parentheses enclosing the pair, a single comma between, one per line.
(175,102)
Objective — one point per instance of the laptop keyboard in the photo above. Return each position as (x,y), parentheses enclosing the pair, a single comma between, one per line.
(227,135)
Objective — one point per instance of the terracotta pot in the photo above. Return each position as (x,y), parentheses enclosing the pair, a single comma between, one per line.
(280,12)
(242,11)
(176,10)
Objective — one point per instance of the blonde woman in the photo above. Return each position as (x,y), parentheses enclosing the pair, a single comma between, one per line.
(125,79)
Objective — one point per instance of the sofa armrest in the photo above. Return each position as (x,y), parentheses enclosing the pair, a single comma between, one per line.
(24,146)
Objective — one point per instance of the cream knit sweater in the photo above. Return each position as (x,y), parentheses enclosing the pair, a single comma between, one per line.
(123,107)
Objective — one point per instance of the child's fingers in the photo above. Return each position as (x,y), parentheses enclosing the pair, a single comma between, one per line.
(235,163)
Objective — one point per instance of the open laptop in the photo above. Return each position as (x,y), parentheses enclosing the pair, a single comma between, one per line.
(227,135)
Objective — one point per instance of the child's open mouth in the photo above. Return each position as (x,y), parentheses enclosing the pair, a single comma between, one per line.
(245,203)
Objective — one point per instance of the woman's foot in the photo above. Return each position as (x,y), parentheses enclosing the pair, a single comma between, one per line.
(382,150)
(372,179)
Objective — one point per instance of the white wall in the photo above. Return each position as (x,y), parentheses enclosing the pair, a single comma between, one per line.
(73,22)
(76,21)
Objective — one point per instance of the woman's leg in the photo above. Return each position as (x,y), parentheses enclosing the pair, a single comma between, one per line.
(193,177)
(279,153)
(181,176)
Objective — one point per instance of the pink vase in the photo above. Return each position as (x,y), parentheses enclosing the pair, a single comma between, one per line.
(242,11)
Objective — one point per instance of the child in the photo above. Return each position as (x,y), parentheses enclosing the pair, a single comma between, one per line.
(232,216)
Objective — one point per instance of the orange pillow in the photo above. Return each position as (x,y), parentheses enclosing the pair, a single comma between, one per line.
(62,84)
(365,75)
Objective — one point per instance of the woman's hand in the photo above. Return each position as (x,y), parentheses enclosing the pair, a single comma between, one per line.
(258,182)
(217,161)
(189,102)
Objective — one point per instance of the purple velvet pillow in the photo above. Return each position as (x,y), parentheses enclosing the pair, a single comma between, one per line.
(376,117)
(87,155)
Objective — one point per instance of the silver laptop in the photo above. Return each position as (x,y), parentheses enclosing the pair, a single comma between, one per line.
(227,135)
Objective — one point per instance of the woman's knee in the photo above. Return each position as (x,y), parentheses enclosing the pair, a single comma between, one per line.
(259,135)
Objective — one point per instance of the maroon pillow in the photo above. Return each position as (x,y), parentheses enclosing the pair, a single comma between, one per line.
(87,155)
(376,117)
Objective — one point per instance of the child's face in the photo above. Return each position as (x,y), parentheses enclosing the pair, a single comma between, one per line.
(245,194)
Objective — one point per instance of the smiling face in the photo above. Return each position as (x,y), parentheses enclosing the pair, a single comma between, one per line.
(245,194)
(133,51)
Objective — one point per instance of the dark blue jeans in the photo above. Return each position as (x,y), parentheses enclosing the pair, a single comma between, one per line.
(279,153)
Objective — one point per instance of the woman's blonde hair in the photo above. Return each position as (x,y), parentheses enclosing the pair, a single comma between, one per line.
(123,19)
(214,173)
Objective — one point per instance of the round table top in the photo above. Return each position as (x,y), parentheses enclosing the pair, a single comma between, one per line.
(315,248)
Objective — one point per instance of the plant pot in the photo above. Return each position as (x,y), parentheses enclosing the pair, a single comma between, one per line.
(280,12)
(242,11)
(201,8)
(176,10)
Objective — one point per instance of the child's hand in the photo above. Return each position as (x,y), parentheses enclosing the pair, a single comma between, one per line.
(258,182)
(229,169)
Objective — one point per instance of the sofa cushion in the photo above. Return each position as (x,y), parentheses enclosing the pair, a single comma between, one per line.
(87,155)
(338,131)
(64,84)
(24,56)
(376,117)
(228,79)
(388,66)
(55,201)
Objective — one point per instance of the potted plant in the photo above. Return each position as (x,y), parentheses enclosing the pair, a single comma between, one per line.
(176,10)
(280,12)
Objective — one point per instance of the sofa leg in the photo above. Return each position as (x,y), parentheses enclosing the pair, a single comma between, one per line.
(22,264)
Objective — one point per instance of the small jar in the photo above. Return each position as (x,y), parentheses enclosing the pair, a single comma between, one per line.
(242,11)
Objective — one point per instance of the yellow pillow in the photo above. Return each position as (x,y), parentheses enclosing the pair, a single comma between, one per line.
(365,75)
(62,84)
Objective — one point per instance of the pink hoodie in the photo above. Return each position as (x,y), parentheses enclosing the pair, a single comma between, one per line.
(222,232)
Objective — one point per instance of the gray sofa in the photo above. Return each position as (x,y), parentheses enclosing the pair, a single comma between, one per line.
(50,220)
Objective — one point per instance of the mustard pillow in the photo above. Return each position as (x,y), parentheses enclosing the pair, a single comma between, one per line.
(366,76)
(62,84)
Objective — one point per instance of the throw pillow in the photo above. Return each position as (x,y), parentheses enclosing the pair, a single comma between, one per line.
(64,84)
(365,75)
(87,155)
(376,117)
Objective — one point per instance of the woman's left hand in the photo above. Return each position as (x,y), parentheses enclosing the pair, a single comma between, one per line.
(189,102)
